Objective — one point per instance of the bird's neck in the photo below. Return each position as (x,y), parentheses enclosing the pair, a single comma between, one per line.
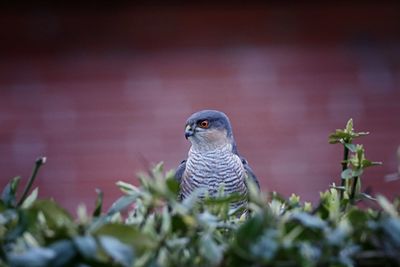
(211,148)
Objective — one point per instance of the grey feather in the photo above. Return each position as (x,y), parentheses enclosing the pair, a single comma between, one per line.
(250,172)
(179,171)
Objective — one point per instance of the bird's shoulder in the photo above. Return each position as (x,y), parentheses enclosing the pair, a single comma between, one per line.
(249,171)
(180,171)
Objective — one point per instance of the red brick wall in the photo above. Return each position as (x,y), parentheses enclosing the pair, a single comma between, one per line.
(102,92)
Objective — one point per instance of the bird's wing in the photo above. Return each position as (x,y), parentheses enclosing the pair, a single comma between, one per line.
(249,172)
(179,171)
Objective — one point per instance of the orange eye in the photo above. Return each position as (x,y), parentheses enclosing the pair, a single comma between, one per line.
(204,124)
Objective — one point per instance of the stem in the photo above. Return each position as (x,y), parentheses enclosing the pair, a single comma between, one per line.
(344,167)
(353,189)
(39,162)
(98,204)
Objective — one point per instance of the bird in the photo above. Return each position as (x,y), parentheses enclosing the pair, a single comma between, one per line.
(213,161)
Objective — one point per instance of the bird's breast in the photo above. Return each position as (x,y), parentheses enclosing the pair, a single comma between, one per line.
(213,171)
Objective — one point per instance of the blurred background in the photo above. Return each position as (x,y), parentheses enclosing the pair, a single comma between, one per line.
(104,89)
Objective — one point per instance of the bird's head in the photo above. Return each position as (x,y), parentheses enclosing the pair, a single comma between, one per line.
(209,129)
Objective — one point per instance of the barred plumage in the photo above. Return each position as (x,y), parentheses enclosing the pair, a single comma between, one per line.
(213,162)
(213,170)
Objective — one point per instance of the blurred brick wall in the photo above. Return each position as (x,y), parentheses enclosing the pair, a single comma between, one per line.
(102,92)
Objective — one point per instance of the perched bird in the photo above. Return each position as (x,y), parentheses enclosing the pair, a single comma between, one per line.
(213,160)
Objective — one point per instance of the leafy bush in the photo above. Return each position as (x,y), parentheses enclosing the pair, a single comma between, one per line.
(147,226)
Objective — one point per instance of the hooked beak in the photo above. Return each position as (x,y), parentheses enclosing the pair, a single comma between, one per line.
(189,131)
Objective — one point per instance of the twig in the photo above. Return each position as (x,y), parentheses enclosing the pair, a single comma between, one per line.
(344,167)
(39,162)
(353,189)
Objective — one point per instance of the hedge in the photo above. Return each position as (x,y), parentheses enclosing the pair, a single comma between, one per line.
(148,226)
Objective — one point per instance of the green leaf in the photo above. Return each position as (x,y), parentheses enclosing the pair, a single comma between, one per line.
(248,233)
(310,253)
(346,135)
(340,188)
(333,140)
(339,136)
(122,203)
(57,219)
(178,224)
(60,253)
(127,234)
(64,251)
(9,193)
(366,163)
(210,250)
(387,206)
(24,220)
(349,126)
(86,246)
(338,235)
(127,188)
(307,207)
(391,226)
(173,186)
(360,153)
(360,134)
(36,257)
(351,147)
(294,200)
(166,224)
(347,174)
(117,250)
(357,218)
(367,196)
(30,199)
(309,220)
(267,247)
(159,168)
(357,172)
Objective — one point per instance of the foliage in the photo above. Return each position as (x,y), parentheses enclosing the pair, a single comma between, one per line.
(353,167)
(148,226)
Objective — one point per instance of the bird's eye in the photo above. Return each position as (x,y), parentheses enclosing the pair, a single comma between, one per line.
(204,124)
